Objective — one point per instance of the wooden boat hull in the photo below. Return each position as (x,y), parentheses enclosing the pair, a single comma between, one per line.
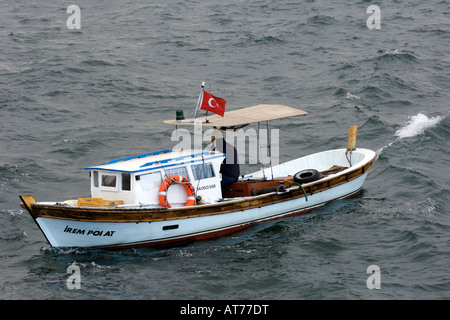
(70,226)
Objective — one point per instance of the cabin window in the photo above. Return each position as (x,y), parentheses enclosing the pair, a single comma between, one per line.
(202,171)
(95,179)
(126,182)
(109,181)
(150,180)
(181,171)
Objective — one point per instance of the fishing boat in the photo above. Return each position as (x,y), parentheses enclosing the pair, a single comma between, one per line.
(172,196)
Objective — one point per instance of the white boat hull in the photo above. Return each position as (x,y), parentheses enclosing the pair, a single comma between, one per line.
(72,233)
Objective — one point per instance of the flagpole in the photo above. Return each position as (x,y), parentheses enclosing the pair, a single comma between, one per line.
(206,115)
(200,99)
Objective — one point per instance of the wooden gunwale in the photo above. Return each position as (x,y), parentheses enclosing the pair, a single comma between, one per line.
(161,214)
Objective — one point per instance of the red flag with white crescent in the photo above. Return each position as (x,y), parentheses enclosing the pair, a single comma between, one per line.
(213,104)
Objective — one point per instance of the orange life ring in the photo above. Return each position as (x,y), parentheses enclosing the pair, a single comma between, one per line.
(176,179)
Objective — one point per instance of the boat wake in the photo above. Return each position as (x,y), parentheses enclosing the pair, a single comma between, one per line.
(416,125)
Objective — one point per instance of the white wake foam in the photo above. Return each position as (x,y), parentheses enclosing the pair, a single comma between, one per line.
(417,125)
(352,96)
(393,52)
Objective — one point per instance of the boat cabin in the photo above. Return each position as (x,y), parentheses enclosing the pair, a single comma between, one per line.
(136,180)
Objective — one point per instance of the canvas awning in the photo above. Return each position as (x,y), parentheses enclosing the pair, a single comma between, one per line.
(245,116)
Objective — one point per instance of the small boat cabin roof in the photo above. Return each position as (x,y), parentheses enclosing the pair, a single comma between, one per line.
(245,116)
(157,160)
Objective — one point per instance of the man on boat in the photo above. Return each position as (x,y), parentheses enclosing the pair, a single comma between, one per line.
(230,166)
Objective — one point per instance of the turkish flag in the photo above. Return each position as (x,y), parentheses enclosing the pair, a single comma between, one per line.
(213,104)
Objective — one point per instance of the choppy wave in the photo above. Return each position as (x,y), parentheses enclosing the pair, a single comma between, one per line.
(398,54)
(352,96)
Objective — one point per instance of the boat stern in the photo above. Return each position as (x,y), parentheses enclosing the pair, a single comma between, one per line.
(27,202)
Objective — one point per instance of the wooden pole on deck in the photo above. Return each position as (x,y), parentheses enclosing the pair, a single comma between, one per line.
(351,143)
(352,138)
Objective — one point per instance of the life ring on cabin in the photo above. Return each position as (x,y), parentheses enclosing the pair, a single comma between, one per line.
(176,179)
(308,175)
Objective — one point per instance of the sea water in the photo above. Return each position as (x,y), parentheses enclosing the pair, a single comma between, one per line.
(75,97)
